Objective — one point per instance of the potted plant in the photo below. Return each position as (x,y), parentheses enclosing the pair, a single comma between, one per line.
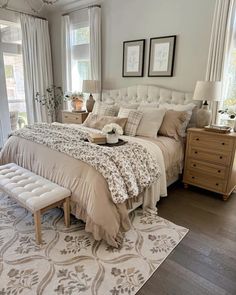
(112,132)
(51,99)
(77,101)
(231,115)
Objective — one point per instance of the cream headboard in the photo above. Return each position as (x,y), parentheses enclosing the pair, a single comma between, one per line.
(147,94)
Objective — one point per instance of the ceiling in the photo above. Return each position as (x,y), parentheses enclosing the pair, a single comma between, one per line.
(38,6)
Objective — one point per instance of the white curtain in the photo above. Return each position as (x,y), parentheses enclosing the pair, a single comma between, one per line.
(219,44)
(66,54)
(230,45)
(37,65)
(95,43)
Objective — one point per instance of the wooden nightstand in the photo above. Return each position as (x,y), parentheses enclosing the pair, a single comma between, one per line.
(210,161)
(69,117)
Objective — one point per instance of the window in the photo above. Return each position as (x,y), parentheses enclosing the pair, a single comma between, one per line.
(229,93)
(80,35)
(11,62)
(80,54)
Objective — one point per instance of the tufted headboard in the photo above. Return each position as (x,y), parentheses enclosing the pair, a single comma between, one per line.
(147,94)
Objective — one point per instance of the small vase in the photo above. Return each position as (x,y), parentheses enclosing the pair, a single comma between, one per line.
(112,138)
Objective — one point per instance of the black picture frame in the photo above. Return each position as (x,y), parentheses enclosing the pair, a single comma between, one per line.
(127,70)
(166,67)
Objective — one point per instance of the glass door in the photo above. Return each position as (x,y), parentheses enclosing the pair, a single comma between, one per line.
(12,98)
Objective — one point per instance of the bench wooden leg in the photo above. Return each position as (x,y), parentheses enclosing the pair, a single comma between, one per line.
(66,206)
(37,224)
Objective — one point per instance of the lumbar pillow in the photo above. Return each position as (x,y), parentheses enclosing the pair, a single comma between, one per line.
(134,118)
(174,124)
(98,122)
(150,122)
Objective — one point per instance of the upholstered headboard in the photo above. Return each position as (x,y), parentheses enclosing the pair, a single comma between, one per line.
(147,94)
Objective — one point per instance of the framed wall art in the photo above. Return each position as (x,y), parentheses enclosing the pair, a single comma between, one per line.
(133,58)
(161,56)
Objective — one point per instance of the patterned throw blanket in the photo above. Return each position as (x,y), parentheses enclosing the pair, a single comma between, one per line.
(128,169)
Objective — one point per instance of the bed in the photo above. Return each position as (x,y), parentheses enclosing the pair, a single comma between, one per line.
(91,197)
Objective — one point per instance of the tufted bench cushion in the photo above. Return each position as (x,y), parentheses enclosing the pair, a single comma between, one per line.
(32,191)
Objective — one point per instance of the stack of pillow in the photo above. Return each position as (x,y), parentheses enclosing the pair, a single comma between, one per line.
(147,120)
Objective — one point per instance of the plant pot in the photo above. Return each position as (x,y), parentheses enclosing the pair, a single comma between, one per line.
(112,138)
(77,104)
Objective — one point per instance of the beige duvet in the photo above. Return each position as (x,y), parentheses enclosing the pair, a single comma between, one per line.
(91,199)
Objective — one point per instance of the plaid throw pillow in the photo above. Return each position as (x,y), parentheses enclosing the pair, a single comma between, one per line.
(133,121)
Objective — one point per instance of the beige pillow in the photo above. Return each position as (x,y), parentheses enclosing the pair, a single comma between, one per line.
(173,123)
(150,122)
(98,122)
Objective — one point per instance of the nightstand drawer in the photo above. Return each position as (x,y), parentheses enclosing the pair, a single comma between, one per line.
(207,168)
(211,142)
(209,156)
(71,118)
(204,181)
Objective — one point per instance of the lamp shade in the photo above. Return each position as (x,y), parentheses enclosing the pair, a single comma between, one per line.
(91,86)
(208,90)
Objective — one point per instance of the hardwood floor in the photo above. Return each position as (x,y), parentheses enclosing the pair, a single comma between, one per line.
(205,261)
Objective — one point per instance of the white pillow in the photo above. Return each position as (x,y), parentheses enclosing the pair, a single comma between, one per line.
(133,106)
(179,107)
(103,109)
(124,113)
(151,122)
(148,105)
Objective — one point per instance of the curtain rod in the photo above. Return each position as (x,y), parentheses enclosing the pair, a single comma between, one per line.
(96,5)
(10,9)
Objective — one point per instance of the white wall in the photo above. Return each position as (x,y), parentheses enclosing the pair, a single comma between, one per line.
(124,20)
(190,20)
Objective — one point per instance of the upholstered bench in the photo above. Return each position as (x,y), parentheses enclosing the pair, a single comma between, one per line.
(34,192)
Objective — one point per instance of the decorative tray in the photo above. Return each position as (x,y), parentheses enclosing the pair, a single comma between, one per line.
(119,143)
(218,129)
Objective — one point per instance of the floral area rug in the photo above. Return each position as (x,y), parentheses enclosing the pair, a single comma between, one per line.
(71,262)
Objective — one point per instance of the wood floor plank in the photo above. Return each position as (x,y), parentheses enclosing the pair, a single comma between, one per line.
(205,261)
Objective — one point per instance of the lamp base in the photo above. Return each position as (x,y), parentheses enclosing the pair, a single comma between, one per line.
(90,103)
(203,116)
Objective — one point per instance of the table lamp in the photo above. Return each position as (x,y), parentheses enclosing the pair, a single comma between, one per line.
(206,91)
(91,86)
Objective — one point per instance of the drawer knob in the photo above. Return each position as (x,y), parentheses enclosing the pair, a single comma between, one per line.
(76,118)
(193,177)
(223,143)
(66,117)
(195,152)
(194,165)
(197,139)
(219,171)
(221,157)
(217,184)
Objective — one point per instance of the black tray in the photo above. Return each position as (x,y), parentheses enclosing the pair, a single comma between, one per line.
(120,142)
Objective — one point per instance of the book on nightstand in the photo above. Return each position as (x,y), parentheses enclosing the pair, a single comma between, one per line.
(97,138)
